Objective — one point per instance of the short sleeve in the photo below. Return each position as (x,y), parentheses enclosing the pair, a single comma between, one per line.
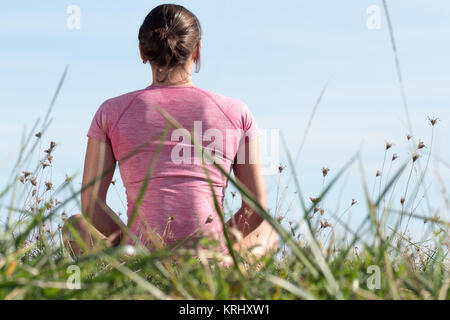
(249,125)
(99,125)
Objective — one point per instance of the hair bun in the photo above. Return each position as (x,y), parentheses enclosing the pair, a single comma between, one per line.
(162,32)
(169,36)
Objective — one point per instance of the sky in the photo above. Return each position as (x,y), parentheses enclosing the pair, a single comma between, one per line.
(276,56)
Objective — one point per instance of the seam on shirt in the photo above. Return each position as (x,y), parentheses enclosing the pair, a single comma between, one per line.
(113,127)
(100,138)
(218,106)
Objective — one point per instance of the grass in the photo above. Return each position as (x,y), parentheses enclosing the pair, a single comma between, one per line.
(377,260)
(320,255)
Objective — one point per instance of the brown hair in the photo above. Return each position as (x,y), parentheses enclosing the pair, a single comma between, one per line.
(169,35)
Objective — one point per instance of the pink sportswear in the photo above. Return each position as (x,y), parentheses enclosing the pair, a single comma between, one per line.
(178,189)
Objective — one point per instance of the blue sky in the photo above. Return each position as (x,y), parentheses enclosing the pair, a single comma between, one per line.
(274,55)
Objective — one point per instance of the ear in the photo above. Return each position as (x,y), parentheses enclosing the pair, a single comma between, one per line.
(195,55)
(144,59)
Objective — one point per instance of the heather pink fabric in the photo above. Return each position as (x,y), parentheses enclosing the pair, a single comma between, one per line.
(176,189)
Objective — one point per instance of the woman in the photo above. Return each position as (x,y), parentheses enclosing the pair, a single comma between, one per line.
(149,133)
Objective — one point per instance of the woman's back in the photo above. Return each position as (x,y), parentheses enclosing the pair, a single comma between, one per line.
(153,128)
(178,200)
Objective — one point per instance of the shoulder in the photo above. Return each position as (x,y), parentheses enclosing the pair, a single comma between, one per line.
(110,110)
(120,102)
(236,110)
(226,102)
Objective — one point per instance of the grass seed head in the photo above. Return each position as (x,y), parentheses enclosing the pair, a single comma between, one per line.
(26,173)
(378,173)
(408,136)
(394,157)
(44,164)
(49,205)
(421,145)
(209,219)
(415,156)
(388,145)
(325,171)
(281,168)
(293,232)
(433,121)
(48,185)
(314,200)
(38,135)
(324,224)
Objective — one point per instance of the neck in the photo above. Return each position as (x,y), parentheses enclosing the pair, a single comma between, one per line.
(173,83)
(176,78)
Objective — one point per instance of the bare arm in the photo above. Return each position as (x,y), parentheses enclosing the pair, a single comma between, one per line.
(99,159)
(255,230)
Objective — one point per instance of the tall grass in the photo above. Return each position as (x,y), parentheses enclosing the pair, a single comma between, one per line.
(313,261)
(320,256)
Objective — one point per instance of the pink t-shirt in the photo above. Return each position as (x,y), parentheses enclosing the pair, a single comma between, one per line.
(178,201)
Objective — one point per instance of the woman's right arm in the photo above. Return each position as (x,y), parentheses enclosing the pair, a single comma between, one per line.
(99,159)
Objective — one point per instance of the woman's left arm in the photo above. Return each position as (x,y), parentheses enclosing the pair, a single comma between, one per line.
(257,233)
